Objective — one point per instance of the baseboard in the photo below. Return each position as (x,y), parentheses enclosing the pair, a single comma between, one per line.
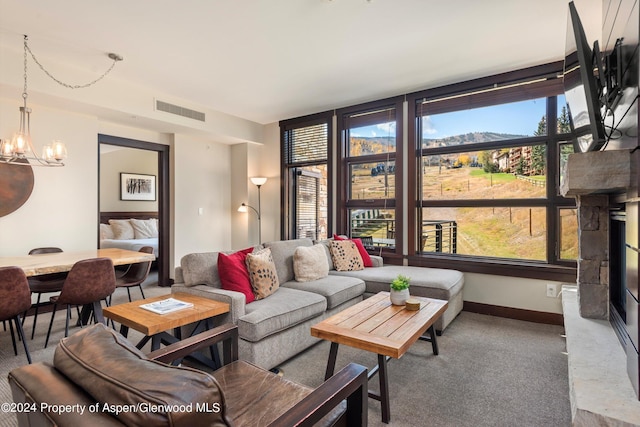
(514,313)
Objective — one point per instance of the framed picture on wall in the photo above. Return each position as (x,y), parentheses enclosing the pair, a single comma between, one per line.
(135,186)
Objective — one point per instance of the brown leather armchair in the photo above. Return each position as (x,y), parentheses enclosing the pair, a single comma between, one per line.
(101,379)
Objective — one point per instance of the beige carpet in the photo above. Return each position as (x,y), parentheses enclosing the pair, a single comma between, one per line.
(490,372)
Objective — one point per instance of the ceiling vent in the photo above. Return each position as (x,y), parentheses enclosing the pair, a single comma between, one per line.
(180,111)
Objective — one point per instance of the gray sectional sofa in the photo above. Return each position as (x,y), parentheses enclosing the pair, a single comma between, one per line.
(277,327)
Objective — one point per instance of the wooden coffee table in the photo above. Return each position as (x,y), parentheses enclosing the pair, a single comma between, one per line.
(155,326)
(377,326)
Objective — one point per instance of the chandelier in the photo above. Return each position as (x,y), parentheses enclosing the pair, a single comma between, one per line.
(19,150)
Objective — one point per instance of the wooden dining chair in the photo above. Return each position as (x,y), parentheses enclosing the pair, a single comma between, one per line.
(87,284)
(135,274)
(15,299)
(44,283)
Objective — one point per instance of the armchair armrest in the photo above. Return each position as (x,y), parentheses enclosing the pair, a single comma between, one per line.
(227,334)
(350,383)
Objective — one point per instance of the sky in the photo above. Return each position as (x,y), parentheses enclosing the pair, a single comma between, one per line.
(518,118)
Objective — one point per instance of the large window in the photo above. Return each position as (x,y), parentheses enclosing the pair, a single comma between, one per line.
(477,189)
(305,169)
(487,170)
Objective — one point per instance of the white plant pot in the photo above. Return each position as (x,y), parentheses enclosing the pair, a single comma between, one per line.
(399,297)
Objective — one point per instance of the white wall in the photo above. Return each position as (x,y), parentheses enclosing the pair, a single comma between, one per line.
(505,291)
(201,196)
(62,210)
(125,160)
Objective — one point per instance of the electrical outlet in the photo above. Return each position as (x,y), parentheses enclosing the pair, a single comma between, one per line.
(552,290)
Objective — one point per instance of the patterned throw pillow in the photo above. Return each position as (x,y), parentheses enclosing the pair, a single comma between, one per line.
(262,273)
(345,256)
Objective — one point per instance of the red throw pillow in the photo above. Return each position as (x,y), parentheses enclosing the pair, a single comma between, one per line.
(234,275)
(366,259)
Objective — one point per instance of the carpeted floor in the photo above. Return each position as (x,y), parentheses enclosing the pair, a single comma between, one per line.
(490,372)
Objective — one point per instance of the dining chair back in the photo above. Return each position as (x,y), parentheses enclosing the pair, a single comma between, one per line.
(44,283)
(87,284)
(15,298)
(135,274)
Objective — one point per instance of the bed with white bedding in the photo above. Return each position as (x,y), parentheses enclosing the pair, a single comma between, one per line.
(129,230)
(130,244)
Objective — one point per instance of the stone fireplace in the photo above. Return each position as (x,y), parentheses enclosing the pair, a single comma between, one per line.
(593,178)
(605,186)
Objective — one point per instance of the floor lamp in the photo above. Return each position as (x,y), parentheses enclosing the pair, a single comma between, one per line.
(258,182)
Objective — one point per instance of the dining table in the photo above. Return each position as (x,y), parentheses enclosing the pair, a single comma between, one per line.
(59,262)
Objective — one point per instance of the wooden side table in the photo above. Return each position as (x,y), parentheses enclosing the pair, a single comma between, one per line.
(155,326)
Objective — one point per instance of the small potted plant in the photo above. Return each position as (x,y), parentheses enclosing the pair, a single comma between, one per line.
(399,292)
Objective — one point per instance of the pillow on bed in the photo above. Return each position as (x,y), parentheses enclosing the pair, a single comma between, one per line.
(106,232)
(122,229)
(144,228)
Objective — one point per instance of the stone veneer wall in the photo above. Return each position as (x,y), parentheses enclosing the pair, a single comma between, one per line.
(593,259)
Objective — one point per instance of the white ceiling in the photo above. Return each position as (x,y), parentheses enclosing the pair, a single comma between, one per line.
(268,60)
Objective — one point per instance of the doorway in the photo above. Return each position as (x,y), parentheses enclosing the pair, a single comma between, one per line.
(162,187)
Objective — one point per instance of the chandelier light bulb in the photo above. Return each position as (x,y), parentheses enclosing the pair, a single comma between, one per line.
(20,144)
(59,150)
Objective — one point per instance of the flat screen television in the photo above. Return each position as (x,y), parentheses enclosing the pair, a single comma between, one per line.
(582,88)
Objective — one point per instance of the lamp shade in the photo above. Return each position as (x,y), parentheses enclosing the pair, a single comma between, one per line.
(258,180)
(242,208)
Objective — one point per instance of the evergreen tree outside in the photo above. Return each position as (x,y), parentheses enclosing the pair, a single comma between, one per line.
(538,152)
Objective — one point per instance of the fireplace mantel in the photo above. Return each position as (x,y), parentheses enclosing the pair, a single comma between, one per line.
(597,172)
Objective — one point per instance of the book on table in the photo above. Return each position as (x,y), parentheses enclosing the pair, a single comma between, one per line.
(165,306)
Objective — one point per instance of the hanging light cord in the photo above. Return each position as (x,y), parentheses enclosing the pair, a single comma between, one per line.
(114,57)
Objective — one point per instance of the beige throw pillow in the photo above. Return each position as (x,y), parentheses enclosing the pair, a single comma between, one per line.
(262,273)
(106,232)
(345,256)
(310,263)
(144,228)
(122,229)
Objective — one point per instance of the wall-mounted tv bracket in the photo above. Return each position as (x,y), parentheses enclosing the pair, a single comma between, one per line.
(612,92)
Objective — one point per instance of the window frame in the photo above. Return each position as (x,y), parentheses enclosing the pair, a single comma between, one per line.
(287,224)
(480,93)
(344,160)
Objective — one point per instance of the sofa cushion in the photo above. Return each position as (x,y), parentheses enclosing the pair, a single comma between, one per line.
(201,269)
(262,273)
(334,288)
(310,263)
(282,253)
(234,275)
(346,256)
(425,282)
(282,310)
(366,259)
(116,373)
